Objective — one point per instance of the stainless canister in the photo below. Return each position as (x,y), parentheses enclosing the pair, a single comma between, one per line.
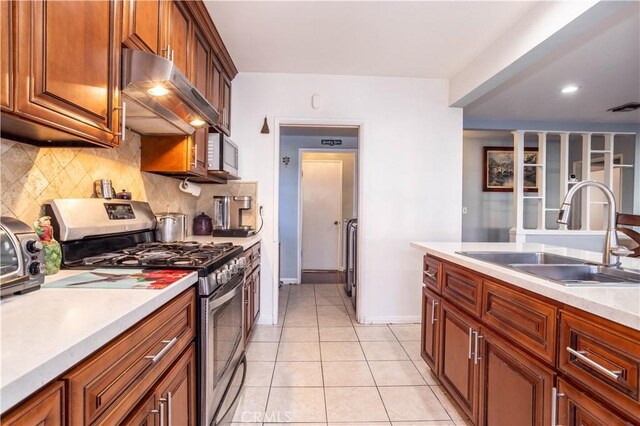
(171,227)
(103,189)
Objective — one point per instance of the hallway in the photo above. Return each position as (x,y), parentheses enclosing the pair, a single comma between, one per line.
(319,367)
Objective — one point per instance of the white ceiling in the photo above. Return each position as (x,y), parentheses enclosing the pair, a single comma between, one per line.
(379,38)
(604,62)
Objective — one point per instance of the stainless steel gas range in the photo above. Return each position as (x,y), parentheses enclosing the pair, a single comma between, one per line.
(97,233)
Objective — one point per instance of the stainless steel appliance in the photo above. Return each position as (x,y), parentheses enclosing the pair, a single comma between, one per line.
(126,238)
(159,99)
(351,252)
(222,156)
(102,188)
(171,227)
(21,258)
(228,216)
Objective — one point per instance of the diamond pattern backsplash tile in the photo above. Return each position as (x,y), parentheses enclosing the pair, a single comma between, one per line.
(30,175)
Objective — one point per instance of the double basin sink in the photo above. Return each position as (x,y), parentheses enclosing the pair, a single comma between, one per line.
(560,269)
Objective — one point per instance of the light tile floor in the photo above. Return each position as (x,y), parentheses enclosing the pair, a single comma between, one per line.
(320,367)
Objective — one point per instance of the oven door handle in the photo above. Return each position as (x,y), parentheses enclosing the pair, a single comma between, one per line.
(218,301)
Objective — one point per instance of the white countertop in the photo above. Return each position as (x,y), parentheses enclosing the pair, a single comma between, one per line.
(46,332)
(619,304)
(244,242)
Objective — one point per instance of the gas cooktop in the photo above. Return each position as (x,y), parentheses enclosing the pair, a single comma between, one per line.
(183,255)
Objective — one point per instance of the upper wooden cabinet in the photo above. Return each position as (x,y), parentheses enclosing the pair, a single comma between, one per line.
(225,104)
(66,72)
(178,36)
(142,24)
(7,59)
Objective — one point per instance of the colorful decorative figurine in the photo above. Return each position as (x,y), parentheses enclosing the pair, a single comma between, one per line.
(52,252)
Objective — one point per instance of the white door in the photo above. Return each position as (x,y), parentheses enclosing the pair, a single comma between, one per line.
(321,214)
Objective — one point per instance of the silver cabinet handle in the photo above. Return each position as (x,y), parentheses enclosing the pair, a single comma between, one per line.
(172,51)
(195,154)
(123,119)
(615,375)
(432,275)
(169,395)
(433,311)
(169,344)
(470,341)
(476,352)
(168,50)
(554,405)
(161,414)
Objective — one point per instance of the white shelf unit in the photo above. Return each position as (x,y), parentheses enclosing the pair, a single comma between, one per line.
(518,231)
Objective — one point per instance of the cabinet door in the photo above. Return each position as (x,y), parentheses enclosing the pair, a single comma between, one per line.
(248,311)
(457,370)
(146,414)
(430,328)
(256,294)
(178,36)
(215,83)
(225,103)
(575,408)
(6,50)
(507,374)
(142,24)
(200,72)
(68,67)
(45,408)
(199,151)
(176,392)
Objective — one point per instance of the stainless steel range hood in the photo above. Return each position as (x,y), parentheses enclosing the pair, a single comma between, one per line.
(160,100)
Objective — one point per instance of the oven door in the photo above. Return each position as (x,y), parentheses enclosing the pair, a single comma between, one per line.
(221,343)
(11,261)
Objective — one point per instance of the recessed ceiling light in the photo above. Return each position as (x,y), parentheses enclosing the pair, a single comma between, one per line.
(157,91)
(572,88)
(197,122)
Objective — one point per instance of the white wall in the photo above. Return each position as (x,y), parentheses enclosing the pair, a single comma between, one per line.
(410,169)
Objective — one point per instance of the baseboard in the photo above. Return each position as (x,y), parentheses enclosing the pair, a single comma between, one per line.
(390,320)
(264,320)
(289,280)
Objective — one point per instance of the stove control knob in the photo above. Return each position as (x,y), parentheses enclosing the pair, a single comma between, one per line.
(223,276)
(233,268)
(36,268)
(34,246)
(241,263)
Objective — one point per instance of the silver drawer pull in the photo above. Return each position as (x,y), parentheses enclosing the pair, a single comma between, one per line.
(470,341)
(432,275)
(169,344)
(615,375)
(433,311)
(476,353)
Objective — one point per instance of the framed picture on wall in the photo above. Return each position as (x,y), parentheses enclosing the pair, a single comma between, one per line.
(498,169)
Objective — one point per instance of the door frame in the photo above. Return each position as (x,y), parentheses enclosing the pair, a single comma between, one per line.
(283,122)
(299,212)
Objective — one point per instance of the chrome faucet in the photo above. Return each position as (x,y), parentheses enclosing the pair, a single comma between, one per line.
(611,251)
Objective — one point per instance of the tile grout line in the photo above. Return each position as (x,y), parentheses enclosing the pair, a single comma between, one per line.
(324,388)
(275,361)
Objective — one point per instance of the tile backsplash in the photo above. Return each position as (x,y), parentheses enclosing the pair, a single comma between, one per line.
(30,175)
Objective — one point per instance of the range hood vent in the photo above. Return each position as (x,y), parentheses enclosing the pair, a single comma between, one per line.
(160,99)
(631,106)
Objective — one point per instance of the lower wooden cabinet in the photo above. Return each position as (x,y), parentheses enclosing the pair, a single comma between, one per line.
(45,408)
(251,289)
(172,401)
(575,408)
(458,366)
(514,388)
(430,335)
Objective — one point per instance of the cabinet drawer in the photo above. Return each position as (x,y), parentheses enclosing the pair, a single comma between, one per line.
(577,408)
(528,321)
(603,356)
(431,273)
(45,408)
(463,288)
(105,387)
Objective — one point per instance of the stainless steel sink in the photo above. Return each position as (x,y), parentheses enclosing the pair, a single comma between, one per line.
(560,269)
(529,258)
(582,274)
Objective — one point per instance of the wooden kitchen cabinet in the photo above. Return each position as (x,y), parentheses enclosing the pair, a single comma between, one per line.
(45,408)
(7,52)
(225,103)
(255,301)
(252,289)
(142,24)
(458,370)
(215,83)
(430,336)
(576,408)
(515,389)
(178,36)
(66,72)
(179,156)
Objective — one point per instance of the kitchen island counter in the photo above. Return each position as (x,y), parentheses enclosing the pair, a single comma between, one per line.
(620,304)
(47,332)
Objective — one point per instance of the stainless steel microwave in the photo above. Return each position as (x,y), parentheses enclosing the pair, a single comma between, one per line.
(222,155)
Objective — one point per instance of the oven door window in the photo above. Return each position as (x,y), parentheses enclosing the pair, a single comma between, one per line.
(225,331)
(9,259)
